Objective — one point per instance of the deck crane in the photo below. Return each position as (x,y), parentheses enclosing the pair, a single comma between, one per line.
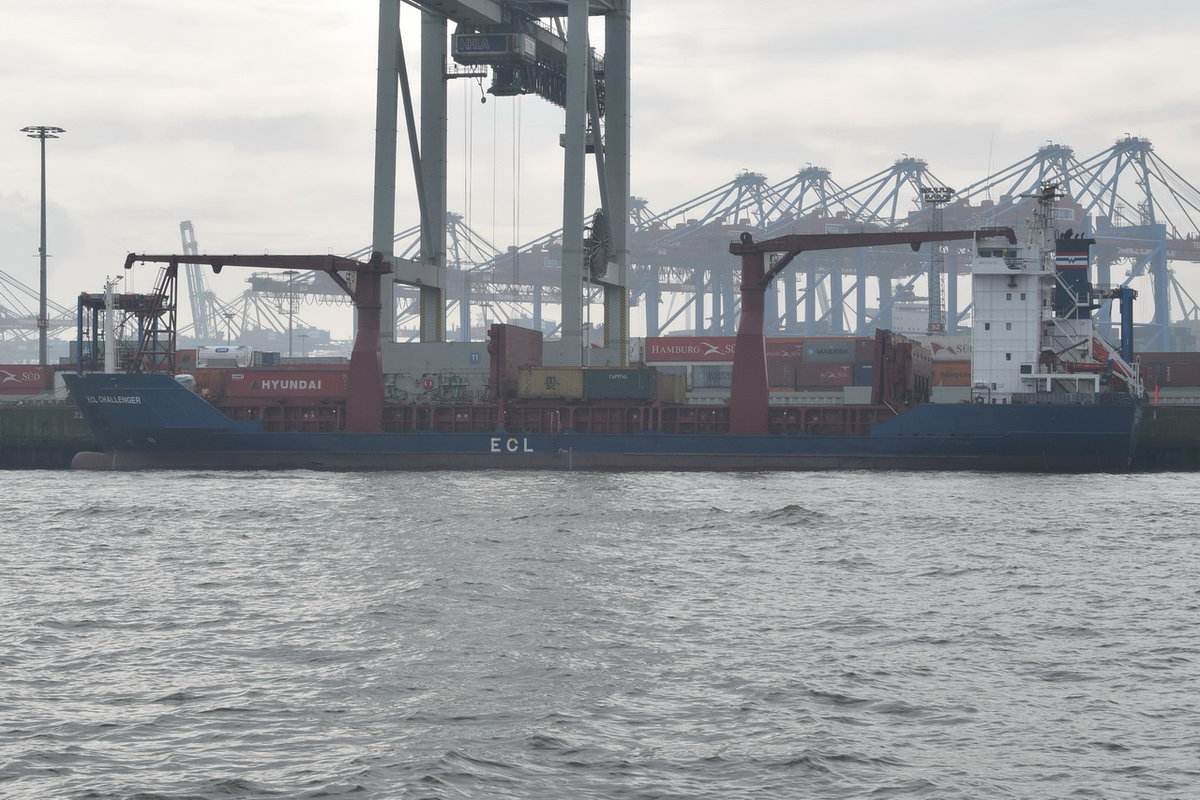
(749,392)
(364,285)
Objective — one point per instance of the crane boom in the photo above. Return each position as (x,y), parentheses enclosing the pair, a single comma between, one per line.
(199,296)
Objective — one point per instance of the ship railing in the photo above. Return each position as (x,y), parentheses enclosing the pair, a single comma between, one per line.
(1072,398)
(1055,398)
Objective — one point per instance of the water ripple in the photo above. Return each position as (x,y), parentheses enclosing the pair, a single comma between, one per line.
(834,635)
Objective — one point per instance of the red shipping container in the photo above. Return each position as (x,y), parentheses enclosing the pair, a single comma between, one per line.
(1179,373)
(24,378)
(210,383)
(823,376)
(285,384)
(785,350)
(781,374)
(689,348)
(864,350)
(510,348)
(1168,358)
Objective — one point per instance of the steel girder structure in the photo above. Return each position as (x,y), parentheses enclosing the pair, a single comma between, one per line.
(678,267)
(526,55)
(879,202)
(1141,212)
(808,202)
(678,261)
(510,282)
(1145,214)
(681,251)
(19,317)
(673,264)
(265,319)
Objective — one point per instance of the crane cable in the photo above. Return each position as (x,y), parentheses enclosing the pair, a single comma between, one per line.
(516,200)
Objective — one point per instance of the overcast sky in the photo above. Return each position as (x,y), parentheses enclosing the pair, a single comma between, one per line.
(255,120)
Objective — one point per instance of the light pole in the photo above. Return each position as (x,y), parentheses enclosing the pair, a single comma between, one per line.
(42,132)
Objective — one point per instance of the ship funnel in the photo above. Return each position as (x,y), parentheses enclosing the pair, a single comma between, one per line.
(1073,292)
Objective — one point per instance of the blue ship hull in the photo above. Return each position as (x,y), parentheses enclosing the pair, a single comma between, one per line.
(152,422)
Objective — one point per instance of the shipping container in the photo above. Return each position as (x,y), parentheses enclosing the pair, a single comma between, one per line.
(698,349)
(671,387)
(210,383)
(816,376)
(185,360)
(559,382)
(280,384)
(785,350)
(688,349)
(711,377)
(1171,358)
(864,374)
(864,350)
(946,347)
(511,347)
(951,373)
(332,364)
(857,395)
(830,351)
(781,374)
(1169,369)
(611,383)
(226,355)
(25,379)
(1168,374)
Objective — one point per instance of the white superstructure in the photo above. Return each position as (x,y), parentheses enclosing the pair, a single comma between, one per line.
(1020,345)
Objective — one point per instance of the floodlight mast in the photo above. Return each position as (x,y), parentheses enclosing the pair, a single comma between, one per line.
(42,133)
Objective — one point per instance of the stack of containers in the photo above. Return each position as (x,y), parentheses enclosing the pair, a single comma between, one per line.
(259,386)
(1171,377)
(822,364)
(644,384)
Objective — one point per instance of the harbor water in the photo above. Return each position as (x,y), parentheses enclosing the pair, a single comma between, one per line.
(583,635)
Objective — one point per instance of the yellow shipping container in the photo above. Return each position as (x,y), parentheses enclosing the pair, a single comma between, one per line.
(559,382)
(951,373)
(671,388)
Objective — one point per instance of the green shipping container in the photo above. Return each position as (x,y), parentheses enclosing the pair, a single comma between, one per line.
(611,383)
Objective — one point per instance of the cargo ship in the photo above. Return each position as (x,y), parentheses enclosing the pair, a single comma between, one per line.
(1047,392)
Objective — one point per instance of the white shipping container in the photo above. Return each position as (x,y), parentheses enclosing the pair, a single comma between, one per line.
(225,355)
